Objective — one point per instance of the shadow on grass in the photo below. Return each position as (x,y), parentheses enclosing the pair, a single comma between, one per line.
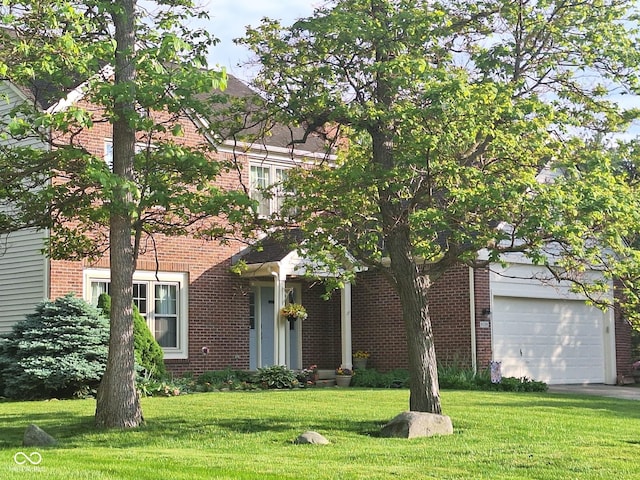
(616,408)
(283,424)
(60,424)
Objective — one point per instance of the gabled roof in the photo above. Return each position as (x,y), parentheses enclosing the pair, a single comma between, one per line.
(272,248)
(250,124)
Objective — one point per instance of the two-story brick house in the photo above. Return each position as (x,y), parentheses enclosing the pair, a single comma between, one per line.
(206,317)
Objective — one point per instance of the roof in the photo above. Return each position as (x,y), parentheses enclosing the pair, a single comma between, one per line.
(249,124)
(272,248)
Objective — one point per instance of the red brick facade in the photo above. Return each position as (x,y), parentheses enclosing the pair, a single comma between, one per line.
(218,304)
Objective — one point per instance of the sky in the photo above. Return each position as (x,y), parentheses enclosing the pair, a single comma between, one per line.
(230,17)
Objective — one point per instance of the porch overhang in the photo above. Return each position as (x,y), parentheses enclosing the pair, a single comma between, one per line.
(280,264)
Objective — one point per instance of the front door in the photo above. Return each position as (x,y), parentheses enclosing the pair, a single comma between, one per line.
(262,333)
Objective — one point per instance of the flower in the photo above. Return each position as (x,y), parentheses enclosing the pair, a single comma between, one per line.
(361,354)
(294,311)
(636,365)
(309,375)
(343,371)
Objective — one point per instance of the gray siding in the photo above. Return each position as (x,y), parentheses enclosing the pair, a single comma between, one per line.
(23,268)
(23,275)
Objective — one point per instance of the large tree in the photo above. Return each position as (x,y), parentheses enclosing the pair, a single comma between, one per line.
(466,130)
(143,72)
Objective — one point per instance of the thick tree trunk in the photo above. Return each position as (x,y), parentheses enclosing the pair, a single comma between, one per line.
(118,405)
(411,285)
(413,289)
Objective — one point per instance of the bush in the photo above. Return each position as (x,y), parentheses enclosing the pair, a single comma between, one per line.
(225,380)
(277,376)
(454,377)
(58,351)
(148,352)
(370,378)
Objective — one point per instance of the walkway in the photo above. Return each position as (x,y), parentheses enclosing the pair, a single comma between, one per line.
(628,392)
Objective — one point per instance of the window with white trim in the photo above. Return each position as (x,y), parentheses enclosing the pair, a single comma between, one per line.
(162,300)
(108,151)
(266,186)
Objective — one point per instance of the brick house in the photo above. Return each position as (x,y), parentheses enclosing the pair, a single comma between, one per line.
(208,318)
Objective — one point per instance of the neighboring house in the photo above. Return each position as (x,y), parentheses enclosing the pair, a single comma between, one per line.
(208,318)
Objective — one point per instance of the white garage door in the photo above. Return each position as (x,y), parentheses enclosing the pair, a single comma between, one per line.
(555,341)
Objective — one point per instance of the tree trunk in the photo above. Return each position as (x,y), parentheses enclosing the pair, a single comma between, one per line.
(413,289)
(118,405)
(411,285)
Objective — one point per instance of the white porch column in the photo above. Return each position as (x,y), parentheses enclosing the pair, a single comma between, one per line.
(279,331)
(345,325)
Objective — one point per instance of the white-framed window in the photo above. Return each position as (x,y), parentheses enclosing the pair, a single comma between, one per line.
(162,299)
(108,151)
(265,177)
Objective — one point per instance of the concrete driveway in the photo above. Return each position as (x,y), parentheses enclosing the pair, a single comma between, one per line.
(626,392)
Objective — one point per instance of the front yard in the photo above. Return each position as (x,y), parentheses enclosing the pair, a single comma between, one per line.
(249,435)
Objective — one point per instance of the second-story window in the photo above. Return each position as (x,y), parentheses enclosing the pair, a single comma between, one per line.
(266,187)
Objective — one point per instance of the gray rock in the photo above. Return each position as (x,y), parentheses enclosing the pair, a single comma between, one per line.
(34,436)
(417,424)
(313,438)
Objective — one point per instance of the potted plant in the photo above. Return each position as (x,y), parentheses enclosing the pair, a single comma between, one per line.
(343,376)
(293,312)
(310,375)
(360,359)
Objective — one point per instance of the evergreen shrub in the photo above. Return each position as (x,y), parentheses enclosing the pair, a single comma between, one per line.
(58,351)
(148,352)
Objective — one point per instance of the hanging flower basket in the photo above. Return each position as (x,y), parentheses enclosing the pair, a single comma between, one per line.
(293,312)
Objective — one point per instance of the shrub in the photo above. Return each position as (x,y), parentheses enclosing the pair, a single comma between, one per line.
(228,379)
(148,353)
(58,351)
(371,378)
(458,378)
(277,376)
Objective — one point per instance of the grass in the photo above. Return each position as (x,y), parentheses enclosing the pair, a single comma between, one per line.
(248,435)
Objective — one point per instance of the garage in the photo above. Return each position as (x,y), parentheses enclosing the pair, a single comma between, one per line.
(556,341)
(543,331)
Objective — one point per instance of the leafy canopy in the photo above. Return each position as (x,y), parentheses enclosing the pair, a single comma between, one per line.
(52,175)
(474,126)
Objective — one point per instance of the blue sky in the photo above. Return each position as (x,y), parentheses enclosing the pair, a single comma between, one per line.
(230,17)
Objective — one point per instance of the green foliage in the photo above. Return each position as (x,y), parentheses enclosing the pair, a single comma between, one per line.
(148,386)
(371,378)
(58,351)
(458,378)
(227,379)
(148,352)
(460,127)
(277,376)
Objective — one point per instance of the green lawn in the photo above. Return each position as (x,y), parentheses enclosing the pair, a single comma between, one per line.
(250,434)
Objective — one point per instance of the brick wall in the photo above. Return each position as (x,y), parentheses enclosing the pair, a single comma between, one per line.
(218,304)
(321,330)
(378,326)
(482,303)
(624,354)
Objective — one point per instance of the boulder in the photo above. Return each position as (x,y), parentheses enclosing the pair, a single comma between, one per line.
(417,424)
(34,436)
(312,438)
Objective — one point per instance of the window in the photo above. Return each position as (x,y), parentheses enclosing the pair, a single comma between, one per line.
(108,151)
(266,187)
(161,299)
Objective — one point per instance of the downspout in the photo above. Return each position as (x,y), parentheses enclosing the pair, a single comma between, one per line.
(472,313)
